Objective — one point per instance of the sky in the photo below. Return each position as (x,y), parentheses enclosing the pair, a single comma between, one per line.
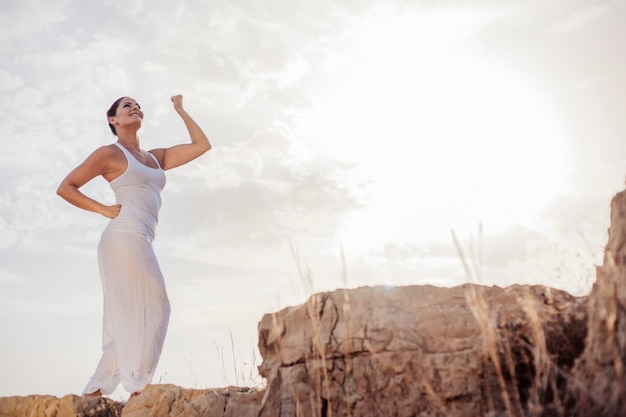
(351,141)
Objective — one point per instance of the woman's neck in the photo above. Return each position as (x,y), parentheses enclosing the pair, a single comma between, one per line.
(129,140)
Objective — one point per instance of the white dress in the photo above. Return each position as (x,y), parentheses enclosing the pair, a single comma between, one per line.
(136,306)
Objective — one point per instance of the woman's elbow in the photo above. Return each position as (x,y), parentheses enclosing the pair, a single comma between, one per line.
(63,189)
(207,147)
(60,190)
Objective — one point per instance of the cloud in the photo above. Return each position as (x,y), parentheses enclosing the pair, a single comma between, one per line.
(10,278)
(41,17)
(9,82)
(580,19)
(69,306)
(241,70)
(250,200)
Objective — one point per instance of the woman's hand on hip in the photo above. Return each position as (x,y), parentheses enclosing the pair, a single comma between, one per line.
(111,211)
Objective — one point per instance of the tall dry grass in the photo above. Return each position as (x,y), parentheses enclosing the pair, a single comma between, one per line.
(499,353)
(244,371)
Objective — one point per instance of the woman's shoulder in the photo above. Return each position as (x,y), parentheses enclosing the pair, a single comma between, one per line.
(105,155)
(107,151)
(109,160)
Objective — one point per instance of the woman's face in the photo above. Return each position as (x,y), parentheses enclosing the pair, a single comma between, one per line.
(128,112)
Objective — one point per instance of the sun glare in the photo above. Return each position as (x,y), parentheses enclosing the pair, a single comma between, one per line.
(447,138)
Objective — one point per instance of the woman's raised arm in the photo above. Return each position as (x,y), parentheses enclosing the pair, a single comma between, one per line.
(178,155)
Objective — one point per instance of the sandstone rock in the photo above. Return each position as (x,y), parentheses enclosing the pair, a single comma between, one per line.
(421,351)
(173,401)
(598,384)
(385,351)
(67,406)
(154,401)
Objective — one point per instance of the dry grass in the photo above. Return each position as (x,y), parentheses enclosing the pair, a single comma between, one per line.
(478,305)
(314,312)
(244,372)
(498,351)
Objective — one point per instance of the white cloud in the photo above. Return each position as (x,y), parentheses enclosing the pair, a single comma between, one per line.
(21,20)
(130,8)
(580,19)
(9,82)
(10,278)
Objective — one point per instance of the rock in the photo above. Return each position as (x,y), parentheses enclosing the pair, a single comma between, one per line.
(173,401)
(393,351)
(598,383)
(421,351)
(385,351)
(154,401)
(67,406)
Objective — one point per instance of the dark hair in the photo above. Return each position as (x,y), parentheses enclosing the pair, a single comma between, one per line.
(113,111)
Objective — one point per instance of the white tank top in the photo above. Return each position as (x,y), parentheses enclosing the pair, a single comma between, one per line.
(138,190)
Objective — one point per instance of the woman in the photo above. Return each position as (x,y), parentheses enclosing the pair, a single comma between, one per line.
(136,307)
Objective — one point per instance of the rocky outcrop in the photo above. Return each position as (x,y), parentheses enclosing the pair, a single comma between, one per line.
(598,383)
(385,351)
(154,401)
(173,401)
(422,351)
(49,406)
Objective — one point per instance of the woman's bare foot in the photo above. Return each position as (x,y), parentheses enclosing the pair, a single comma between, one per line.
(133,395)
(94,394)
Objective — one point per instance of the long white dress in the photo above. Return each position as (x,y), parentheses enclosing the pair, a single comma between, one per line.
(136,306)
